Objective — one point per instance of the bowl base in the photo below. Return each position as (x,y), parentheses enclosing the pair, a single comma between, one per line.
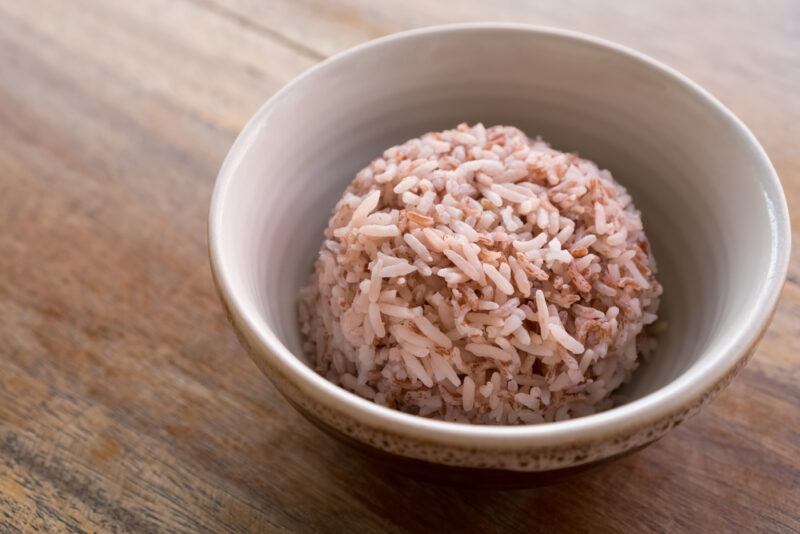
(457,476)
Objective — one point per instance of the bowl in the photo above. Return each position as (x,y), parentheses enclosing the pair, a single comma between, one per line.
(712,206)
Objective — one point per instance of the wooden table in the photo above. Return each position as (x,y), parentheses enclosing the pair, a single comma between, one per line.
(126,403)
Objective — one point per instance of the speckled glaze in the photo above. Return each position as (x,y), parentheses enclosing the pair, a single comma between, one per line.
(261,250)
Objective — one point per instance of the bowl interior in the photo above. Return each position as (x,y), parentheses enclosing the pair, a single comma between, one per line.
(700,181)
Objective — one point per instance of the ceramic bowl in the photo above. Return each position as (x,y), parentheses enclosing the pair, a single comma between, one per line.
(712,206)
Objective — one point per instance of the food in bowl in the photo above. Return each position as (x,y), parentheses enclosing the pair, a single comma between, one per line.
(477,275)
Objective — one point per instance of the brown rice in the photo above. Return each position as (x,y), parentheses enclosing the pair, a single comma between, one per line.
(476,275)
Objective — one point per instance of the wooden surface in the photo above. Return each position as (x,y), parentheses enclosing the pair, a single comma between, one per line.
(126,403)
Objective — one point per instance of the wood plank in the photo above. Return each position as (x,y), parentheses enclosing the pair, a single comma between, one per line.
(126,403)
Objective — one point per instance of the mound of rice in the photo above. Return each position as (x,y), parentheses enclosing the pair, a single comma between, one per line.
(476,275)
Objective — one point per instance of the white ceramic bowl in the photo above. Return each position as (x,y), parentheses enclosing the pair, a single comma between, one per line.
(711,201)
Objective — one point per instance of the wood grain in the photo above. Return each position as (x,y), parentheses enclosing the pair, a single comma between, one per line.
(126,403)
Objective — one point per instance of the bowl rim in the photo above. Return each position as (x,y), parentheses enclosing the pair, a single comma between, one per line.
(693,384)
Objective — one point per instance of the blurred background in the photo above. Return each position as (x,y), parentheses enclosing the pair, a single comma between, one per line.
(126,402)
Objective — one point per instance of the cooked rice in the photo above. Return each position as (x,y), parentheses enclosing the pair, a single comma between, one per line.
(476,275)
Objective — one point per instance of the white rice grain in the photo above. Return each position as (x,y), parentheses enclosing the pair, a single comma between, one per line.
(417,246)
(564,339)
(367,206)
(374,230)
(468,393)
(499,281)
(416,370)
(542,313)
(464,266)
(488,351)
(399,269)
(375,320)
(406,184)
(433,333)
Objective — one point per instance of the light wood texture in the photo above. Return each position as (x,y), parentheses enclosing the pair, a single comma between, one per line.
(126,403)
